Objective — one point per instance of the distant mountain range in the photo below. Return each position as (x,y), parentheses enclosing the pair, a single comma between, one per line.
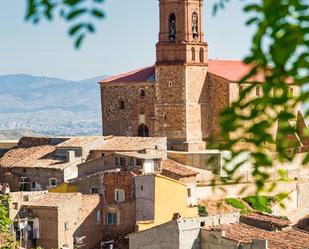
(50,106)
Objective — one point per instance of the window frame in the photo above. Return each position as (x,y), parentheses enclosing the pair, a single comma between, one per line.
(50,182)
(116,195)
(114,219)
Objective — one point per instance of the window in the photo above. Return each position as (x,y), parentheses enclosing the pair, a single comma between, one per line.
(139,162)
(15,205)
(29,211)
(172,27)
(94,190)
(170,83)
(142,111)
(201,55)
(52,182)
(193,54)
(119,195)
(257,90)
(202,223)
(189,192)
(116,161)
(131,161)
(121,104)
(102,155)
(123,161)
(195,25)
(33,185)
(142,188)
(111,218)
(98,216)
(142,93)
(66,225)
(26,198)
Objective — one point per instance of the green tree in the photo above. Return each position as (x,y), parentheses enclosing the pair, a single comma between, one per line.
(5,222)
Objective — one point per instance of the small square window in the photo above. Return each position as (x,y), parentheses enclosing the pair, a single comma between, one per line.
(111,219)
(139,162)
(15,205)
(202,223)
(52,182)
(142,188)
(26,198)
(94,190)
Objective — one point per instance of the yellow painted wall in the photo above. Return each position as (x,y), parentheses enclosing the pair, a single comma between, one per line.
(64,188)
(170,198)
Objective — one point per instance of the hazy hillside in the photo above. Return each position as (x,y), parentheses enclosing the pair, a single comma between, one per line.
(50,105)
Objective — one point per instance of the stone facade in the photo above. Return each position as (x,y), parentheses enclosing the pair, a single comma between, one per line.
(183,94)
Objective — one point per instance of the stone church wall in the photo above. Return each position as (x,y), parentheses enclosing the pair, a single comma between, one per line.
(136,109)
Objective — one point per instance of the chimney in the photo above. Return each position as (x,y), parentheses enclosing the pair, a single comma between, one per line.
(70,156)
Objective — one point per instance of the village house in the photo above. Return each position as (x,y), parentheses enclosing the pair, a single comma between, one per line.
(43,163)
(222,231)
(53,220)
(130,153)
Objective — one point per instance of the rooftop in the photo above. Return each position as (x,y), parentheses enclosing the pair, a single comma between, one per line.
(171,166)
(33,157)
(77,142)
(51,199)
(231,70)
(129,143)
(289,238)
(146,74)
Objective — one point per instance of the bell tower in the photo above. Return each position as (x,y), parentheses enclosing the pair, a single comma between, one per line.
(181,37)
(181,69)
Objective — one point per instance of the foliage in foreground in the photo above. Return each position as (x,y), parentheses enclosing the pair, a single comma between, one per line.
(280,52)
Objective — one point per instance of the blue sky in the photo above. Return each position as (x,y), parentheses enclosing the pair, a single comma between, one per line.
(125,40)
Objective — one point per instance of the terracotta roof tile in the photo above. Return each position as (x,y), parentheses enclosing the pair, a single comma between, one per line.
(170,166)
(32,157)
(140,75)
(128,143)
(51,199)
(290,238)
(74,142)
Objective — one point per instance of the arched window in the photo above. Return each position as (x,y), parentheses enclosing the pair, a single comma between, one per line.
(142,93)
(143,131)
(142,111)
(193,54)
(195,25)
(201,55)
(121,104)
(172,27)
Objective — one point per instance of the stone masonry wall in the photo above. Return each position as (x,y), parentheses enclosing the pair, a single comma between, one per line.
(125,122)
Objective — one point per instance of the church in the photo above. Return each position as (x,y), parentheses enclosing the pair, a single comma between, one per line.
(181,96)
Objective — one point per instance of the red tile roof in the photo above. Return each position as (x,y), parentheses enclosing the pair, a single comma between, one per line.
(232,70)
(139,75)
(171,166)
(288,239)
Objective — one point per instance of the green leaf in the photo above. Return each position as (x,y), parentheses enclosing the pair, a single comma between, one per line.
(79,41)
(75,13)
(98,13)
(74,29)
